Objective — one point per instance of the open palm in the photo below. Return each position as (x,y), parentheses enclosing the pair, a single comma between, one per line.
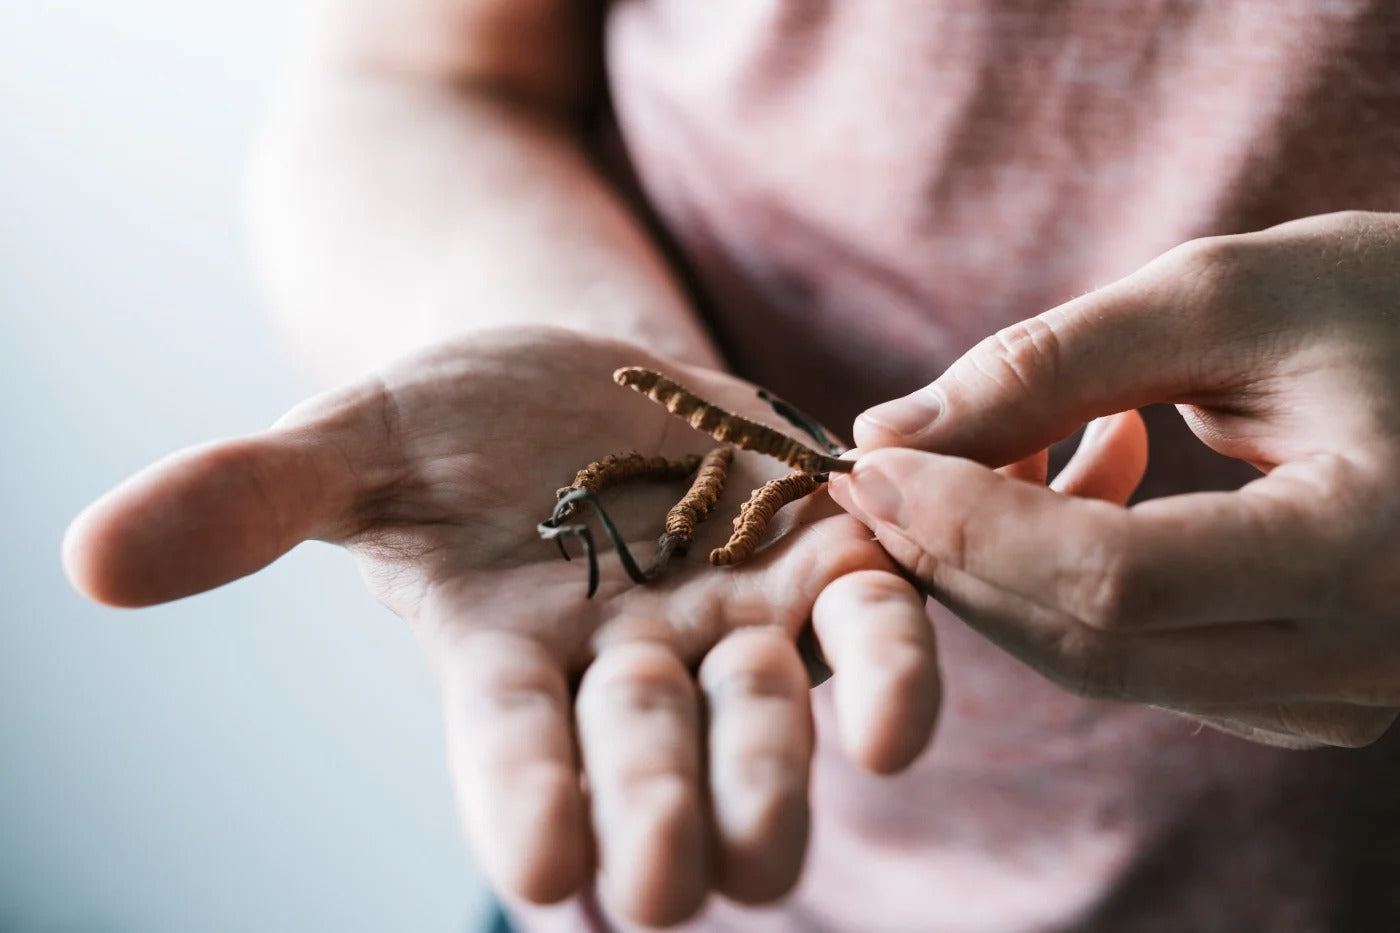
(658,734)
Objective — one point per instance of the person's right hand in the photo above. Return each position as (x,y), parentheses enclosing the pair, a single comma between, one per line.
(668,782)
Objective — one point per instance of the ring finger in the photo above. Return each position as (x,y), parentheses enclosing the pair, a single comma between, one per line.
(760,750)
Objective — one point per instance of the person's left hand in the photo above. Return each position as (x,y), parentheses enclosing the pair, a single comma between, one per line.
(657,738)
(1270,612)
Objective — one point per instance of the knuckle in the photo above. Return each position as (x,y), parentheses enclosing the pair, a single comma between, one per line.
(769,784)
(638,677)
(916,558)
(903,658)
(1102,590)
(750,647)
(922,565)
(1023,357)
(477,684)
(752,665)
(521,692)
(665,801)
(1213,265)
(906,667)
(874,587)
(1100,598)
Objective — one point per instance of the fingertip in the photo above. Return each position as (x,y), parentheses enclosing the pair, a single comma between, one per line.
(96,553)
(1033,469)
(657,884)
(539,850)
(889,461)
(1110,461)
(748,874)
(199,519)
(898,423)
(75,554)
(870,434)
(839,488)
(887,688)
(887,728)
(132,547)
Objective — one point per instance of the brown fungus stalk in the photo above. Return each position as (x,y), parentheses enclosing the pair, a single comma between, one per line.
(725,425)
(620,468)
(708,475)
(686,515)
(763,503)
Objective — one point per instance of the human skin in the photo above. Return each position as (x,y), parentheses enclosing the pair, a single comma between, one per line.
(422,205)
(425,184)
(1268,612)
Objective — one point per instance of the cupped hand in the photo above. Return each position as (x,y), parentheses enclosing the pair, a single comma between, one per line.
(659,735)
(1271,612)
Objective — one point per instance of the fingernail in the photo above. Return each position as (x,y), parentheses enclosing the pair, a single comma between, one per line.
(907,415)
(839,486)
(877,495)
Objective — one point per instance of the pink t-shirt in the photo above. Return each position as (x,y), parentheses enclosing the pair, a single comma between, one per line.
(859,192)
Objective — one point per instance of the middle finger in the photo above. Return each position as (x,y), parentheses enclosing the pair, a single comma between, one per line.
(638,727)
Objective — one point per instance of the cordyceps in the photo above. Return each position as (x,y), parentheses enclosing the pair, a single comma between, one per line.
(708,474)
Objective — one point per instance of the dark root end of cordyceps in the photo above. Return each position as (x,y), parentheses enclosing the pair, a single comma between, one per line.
(551,529)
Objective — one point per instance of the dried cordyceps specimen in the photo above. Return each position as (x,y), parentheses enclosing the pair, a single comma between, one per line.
(619,468)
(758,511)
(686,515)
(710,472)
(727,426)
(708,481)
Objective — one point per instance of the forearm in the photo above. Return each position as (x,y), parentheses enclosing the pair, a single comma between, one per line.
(393,212)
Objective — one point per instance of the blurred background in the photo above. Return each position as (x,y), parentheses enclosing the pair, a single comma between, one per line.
(265,757)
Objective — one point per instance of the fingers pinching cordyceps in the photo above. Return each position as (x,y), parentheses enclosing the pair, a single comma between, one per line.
(1228,606)
(1266,611)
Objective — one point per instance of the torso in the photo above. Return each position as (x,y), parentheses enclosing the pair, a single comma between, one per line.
(861,191)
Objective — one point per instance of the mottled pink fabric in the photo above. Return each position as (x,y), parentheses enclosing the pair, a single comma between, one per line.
(862,190)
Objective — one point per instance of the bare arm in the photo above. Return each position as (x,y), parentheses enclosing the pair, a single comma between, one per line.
(425,178)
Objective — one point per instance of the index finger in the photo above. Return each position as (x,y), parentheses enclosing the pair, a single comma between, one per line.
(1126,345)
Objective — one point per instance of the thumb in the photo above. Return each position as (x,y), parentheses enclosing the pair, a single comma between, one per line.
(206,516)
(211,514)
(1035,382)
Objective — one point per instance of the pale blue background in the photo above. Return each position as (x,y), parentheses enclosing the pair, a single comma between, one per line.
(262,758)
